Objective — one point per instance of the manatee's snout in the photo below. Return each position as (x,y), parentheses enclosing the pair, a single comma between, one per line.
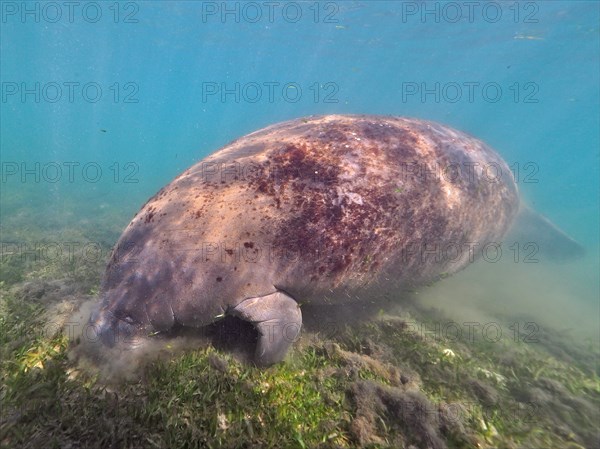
(110,330)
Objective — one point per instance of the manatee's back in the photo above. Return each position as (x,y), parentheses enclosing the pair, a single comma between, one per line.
(321,207)
(358,200)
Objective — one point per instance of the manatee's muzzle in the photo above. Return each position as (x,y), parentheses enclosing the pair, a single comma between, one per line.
(111,331)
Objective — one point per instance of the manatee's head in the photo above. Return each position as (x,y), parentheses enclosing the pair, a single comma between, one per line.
(119,323)
(135,303)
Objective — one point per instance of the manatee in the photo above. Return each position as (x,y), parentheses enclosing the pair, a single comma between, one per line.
(336,209)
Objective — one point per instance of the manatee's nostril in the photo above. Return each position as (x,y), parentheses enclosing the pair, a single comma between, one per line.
(109,330)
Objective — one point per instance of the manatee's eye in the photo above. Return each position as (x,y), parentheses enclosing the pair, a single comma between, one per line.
(128,319)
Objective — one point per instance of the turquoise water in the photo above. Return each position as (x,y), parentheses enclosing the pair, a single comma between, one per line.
(147,80)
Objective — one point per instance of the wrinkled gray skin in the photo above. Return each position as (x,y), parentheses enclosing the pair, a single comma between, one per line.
(324,210)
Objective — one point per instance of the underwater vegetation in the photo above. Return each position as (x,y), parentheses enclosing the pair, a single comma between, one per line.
(375,383)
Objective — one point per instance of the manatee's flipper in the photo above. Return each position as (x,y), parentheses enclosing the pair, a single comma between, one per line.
(541,239)
(277,319)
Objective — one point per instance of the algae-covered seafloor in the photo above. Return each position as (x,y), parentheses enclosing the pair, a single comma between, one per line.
(407,376)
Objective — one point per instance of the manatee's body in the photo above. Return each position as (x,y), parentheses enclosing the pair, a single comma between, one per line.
(329,209)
